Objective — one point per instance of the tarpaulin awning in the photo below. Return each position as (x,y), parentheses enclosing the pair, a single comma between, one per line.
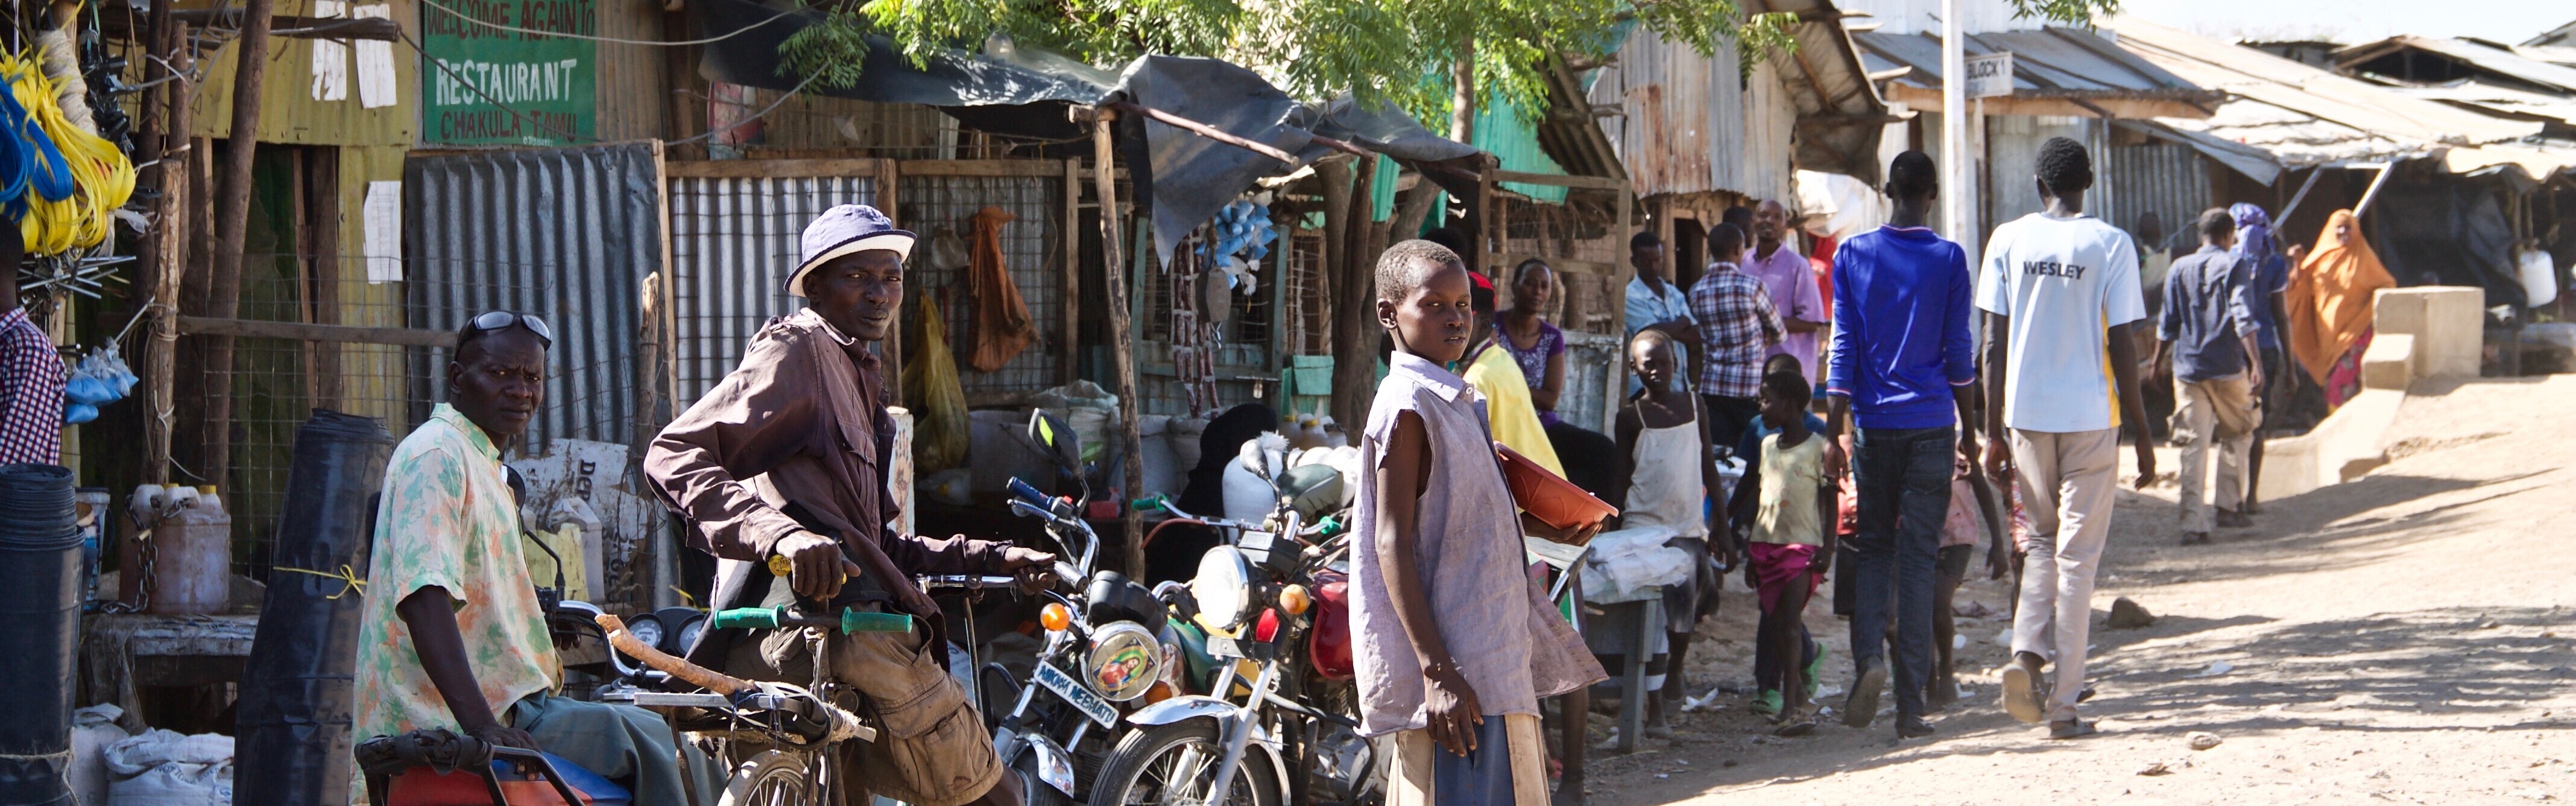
(1184,178)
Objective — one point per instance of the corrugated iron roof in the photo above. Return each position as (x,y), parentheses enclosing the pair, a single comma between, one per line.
(2501,63)
(2301,115)
(1840,115)
(2050,61)
(2501,101)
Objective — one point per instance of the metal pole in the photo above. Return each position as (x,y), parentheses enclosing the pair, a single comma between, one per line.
(1958,183)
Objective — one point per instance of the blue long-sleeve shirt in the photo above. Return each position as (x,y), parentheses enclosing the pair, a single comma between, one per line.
(1901,328)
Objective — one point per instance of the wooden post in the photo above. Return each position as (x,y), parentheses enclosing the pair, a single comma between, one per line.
(232,227)
(1122,333)
(167,246)
(1071,299)
(889,194)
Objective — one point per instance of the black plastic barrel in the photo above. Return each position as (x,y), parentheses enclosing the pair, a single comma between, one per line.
(40,558)
(292,739)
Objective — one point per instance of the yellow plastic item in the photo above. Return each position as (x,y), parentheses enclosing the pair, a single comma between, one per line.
(541,566)
(102,177)
(931,390)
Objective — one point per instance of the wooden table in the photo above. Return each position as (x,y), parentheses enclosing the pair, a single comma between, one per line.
(120,653)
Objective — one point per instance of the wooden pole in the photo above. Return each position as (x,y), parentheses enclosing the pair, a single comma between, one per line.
(232,227)
(167,246)
(1353,287)
(1122,338)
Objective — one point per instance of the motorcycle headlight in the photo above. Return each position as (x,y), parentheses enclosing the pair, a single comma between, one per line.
(1124,661)
(1223,587)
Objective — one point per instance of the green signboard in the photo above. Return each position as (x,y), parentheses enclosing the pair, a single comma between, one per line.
(489,86)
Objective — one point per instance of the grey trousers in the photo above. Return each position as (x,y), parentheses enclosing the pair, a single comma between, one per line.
(622,743)
(2068,482)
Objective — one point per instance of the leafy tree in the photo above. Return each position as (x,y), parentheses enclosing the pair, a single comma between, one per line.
(1399,51)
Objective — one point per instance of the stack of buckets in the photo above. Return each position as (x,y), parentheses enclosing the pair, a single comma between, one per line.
(40,601)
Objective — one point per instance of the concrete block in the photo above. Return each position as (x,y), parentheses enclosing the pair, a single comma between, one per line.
(2350,442)
(2390,362)
(2448,323)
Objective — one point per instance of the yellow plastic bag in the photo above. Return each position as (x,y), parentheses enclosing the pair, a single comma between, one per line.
(931,390)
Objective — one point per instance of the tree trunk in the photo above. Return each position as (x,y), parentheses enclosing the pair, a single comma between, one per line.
(1122,337)
(232,228)
(1462,83)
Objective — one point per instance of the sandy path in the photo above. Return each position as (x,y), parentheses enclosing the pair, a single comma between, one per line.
(2408,638)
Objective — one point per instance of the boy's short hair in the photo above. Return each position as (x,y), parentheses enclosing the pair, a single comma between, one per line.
(1725,238)
(1789,386)
(1644,239)
(1912,175)
(1401,268)
(2065,167)
(2216,223)
(1783,362)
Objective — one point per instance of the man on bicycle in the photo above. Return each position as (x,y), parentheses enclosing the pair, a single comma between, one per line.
(453,636)
(786,459)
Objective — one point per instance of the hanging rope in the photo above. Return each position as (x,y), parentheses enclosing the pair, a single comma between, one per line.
(79,178)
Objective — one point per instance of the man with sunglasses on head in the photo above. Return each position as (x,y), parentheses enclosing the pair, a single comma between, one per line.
(453,635)
(783,467)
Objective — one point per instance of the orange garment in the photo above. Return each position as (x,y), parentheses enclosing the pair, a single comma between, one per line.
(1002,327)
(2331,296)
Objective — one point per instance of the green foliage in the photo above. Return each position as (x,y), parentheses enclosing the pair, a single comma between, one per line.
(2065,12)
(1762,34)
(1384,51)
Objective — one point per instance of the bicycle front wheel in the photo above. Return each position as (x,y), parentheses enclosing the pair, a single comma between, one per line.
(771,778)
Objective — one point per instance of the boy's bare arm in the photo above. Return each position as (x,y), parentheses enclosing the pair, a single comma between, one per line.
(1720,539)
(1450,703)
(1828,516)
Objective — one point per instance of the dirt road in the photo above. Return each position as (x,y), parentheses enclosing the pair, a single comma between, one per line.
(2409,638)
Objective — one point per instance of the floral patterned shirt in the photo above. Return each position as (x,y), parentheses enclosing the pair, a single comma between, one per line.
(447,520)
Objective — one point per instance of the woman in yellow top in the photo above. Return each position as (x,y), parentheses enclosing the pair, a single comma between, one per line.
(1497,376)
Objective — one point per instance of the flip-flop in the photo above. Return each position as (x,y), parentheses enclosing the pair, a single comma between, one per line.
(1801,727)
(2021,694)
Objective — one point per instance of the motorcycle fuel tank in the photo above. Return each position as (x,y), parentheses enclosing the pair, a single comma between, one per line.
(1329,644)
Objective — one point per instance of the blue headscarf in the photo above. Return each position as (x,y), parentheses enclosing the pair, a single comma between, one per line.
(2253,231)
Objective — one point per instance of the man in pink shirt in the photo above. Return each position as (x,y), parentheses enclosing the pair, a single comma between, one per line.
(1792,283)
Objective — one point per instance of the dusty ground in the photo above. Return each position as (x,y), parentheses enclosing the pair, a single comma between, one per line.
(2405,638)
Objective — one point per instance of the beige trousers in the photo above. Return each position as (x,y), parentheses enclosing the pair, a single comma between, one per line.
(2067,483)
(2221,411)
(1408,779)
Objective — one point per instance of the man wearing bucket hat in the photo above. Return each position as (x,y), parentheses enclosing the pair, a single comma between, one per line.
(783,464)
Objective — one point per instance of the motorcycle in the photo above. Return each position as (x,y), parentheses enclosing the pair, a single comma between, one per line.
(1104,655)
(1269,613)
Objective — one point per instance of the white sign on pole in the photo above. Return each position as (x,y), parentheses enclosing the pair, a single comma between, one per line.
(1990,75)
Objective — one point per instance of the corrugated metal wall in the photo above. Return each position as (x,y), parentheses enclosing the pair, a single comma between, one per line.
(1684,129)
(2012,158)
(2169,179)
(1032,249)
(733,241)
(568,234)
(1770,117)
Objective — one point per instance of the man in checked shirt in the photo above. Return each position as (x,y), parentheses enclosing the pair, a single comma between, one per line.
(31,372)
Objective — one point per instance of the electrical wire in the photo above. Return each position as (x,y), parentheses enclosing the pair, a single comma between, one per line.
(773,107)
(610,39)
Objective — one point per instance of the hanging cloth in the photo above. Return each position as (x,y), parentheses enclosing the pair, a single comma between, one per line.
(1002,327)
(2331,295)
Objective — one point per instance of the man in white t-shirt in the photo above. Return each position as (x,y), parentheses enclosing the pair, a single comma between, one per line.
(2061,292)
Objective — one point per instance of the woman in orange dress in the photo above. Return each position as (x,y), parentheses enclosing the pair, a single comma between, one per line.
(2330,302)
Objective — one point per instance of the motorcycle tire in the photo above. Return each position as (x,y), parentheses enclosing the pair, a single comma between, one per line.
(770,778)
(1034,790)
(1122,780)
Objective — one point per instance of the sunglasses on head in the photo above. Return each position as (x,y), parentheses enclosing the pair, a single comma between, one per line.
(499,320)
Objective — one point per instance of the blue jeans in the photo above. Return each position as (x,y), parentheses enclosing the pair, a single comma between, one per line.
(1903,478)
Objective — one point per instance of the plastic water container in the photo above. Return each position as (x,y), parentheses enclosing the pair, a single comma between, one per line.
(193,554)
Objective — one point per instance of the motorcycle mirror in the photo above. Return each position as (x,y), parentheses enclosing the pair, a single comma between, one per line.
(1058,438)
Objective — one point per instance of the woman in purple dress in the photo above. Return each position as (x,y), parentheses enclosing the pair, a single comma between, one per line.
(1537,346)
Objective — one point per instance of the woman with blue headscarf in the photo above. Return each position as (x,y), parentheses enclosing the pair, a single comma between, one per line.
(2271,277)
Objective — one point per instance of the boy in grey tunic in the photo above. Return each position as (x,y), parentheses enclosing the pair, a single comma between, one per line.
(1455,644)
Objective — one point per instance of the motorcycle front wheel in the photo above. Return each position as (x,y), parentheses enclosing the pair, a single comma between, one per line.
(1176,764)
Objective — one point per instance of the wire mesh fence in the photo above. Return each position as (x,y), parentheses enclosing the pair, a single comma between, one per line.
(941,209)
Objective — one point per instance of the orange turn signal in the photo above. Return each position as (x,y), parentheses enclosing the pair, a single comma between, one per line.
(1160,691)
(1055,617)
(1295,600)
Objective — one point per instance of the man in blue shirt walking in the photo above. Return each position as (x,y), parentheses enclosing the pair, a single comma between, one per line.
(2210,327)
(1903,363)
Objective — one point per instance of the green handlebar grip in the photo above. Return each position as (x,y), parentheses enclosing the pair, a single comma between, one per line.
(770,618)
(755,618)
(856,621)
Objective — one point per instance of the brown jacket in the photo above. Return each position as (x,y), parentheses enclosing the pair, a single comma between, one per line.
(795,440)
